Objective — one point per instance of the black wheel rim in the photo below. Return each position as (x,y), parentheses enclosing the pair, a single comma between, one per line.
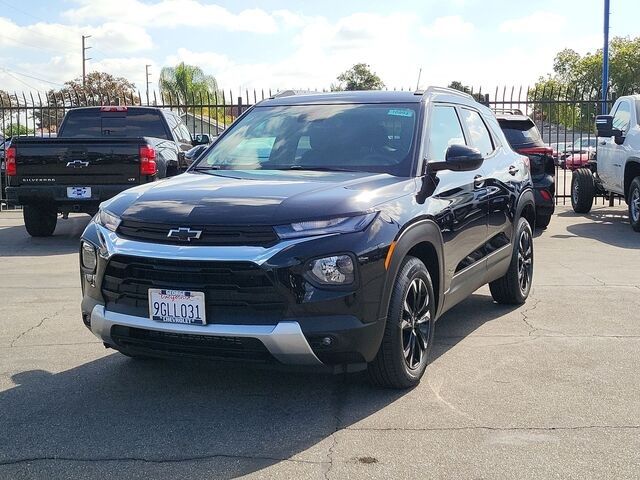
(525,260)
(634,205)
(416,323)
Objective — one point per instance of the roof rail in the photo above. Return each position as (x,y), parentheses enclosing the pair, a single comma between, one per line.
(450,91)
(508,111)
(283,93)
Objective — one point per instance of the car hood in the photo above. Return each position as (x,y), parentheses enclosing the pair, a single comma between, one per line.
(257,197)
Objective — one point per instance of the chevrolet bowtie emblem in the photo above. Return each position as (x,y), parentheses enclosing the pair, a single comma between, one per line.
(77,164)
(184,234)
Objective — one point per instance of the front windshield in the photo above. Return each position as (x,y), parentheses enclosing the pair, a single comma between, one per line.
(353,137)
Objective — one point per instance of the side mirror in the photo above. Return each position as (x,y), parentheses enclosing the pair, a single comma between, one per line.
(604,126)
(458,158)
(201,139)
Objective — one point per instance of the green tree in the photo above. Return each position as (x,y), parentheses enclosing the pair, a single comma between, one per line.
(184,82)
(456,85)
(358,77)
(15,129)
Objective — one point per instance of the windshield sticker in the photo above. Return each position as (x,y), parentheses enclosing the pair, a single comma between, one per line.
(400,112)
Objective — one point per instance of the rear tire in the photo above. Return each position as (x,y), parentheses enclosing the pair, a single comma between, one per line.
(514,287)
(40,221)
(634,204)
(408,336)
(583,190)
(542,221)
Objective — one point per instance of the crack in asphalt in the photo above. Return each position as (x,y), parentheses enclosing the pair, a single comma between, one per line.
(601,282)
(155,460)
(525,316)
(31,329)
(339,396)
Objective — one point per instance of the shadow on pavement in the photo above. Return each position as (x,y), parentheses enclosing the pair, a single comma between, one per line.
(154,418)
(16,242)
(605,225)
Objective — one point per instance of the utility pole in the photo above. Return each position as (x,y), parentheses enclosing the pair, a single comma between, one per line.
(605,60)
(147,75)
(84,58)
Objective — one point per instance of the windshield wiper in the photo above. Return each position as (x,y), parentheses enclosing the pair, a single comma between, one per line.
(204,169)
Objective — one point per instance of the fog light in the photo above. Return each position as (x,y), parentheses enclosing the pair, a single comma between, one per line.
(89,259)
(335,270)
(326,341)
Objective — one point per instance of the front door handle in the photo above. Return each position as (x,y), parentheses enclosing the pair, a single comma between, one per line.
(603,142)
(513,170)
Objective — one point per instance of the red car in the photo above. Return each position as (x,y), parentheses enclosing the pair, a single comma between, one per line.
(578,160)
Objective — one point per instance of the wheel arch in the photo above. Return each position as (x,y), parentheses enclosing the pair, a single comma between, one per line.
(526,208)
(422,240)
(631,171)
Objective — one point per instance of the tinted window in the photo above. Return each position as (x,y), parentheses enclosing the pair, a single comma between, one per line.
(622,117)
(183,133)
(521,133)
(363,137)
(480,136)
(132,123)
(445,130)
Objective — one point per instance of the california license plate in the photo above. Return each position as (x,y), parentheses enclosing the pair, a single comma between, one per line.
(177,306)
(78,192)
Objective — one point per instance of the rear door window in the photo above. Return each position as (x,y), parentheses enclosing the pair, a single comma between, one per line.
(129,124)
(480,136)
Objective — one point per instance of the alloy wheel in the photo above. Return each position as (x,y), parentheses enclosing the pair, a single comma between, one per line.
(635,205)
(525,260)
(416,323)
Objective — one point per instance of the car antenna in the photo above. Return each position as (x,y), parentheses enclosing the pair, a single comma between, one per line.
(418,82)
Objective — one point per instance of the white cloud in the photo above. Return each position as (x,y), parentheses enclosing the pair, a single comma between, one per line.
(537,22)
(173,13)
(448,27)
(58,38)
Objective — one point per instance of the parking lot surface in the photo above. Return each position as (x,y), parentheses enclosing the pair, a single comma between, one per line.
(547,390)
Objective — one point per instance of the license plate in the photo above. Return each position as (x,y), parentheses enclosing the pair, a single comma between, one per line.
(78,192)
(177,306)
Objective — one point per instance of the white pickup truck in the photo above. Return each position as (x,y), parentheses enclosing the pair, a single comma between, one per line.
(617,166)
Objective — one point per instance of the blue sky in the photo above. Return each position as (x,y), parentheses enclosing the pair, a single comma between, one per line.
(288,44)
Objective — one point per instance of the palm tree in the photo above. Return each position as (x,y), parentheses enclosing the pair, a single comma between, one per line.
(184,82)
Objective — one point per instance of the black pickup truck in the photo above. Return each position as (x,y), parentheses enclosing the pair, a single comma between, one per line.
(99,152)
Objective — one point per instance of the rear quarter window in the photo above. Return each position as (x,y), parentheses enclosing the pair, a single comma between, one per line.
(130,124)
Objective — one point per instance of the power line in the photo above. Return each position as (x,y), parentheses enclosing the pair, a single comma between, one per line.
(32,77)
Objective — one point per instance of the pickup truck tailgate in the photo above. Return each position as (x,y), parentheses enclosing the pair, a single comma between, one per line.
(82,161)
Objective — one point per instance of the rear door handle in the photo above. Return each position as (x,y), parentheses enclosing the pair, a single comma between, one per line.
(513,170)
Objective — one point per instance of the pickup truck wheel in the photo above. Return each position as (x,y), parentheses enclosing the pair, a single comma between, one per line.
(39,220)
(583,190)
(408,336)
(514,287)
(634,204)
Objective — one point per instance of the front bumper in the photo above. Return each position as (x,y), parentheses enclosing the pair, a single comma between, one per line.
(284,341)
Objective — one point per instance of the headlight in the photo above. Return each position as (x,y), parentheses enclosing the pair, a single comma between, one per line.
(88,256)
(107,220)
(334,270)
(321,227)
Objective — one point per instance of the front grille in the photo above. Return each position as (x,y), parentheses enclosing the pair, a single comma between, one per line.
(194,345)
(212,235)
(235,292)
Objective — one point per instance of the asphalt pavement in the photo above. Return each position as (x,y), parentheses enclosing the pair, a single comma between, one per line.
(547,390)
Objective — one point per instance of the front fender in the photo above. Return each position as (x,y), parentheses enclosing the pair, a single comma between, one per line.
(421,231)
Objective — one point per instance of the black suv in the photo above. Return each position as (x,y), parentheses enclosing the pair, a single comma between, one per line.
(327,230)
(523,136)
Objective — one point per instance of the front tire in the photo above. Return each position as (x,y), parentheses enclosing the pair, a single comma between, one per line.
(583,190)
(634,204)
(40,221)
(514,287)
(408,336)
